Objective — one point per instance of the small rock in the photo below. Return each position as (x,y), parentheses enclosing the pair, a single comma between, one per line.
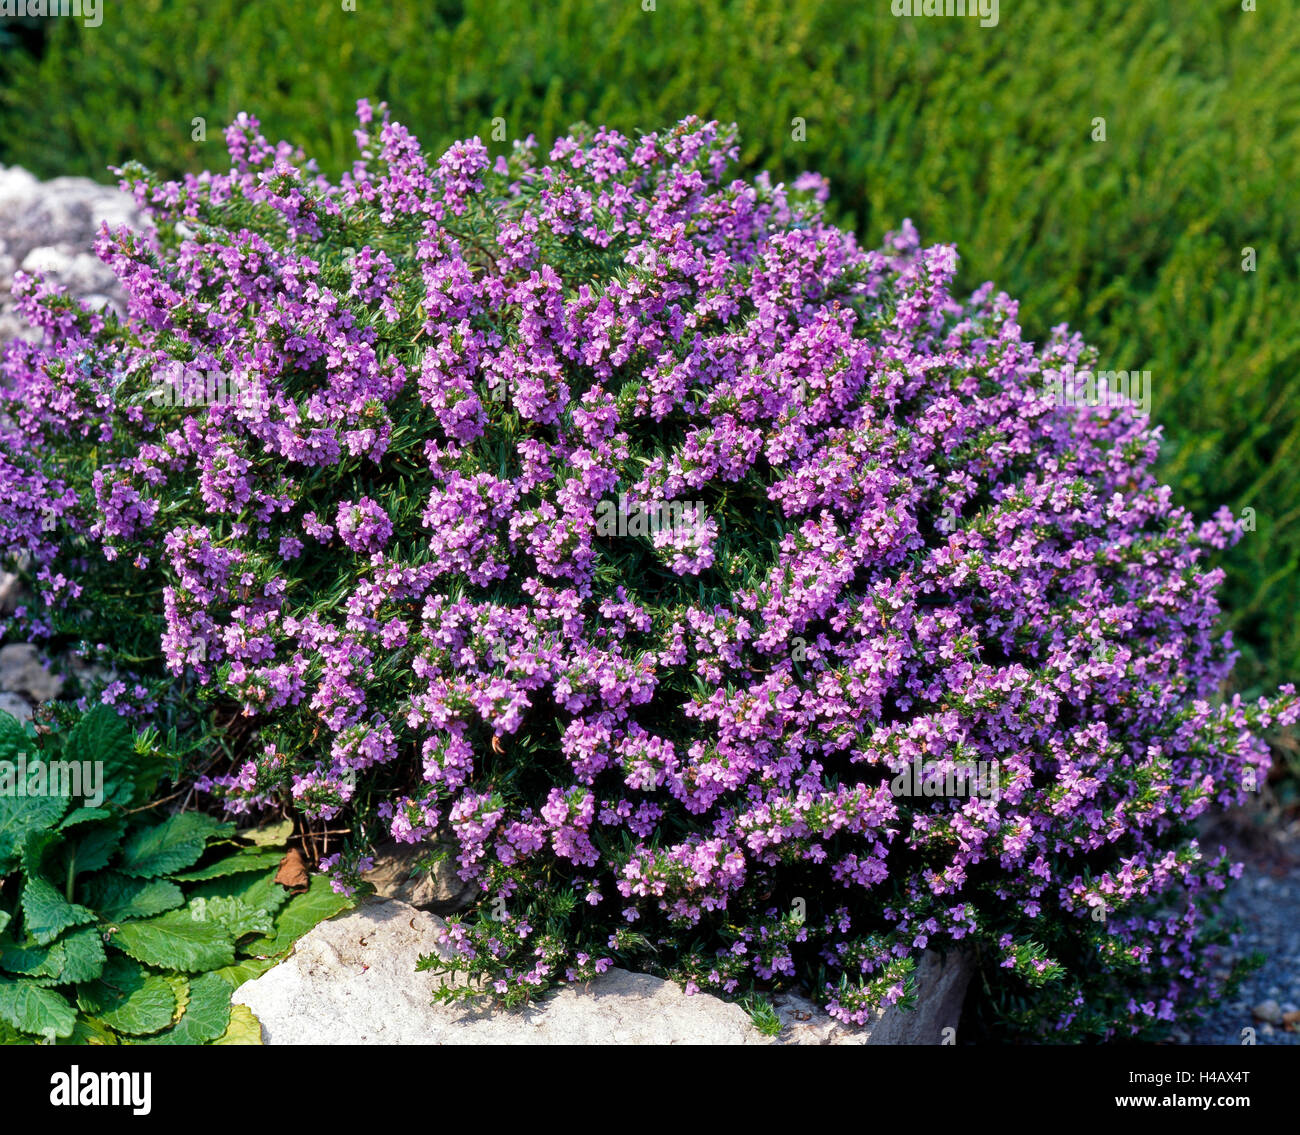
(23,671)
(1291,1021)
(1269,1011)
(11,588)
(396,875)
(18,706)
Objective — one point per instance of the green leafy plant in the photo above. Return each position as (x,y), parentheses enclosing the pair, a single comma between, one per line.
(117,927)
(763,1013)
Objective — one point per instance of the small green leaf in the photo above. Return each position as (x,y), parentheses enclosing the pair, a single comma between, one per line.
(129,999)
(262,892)
(84,956)
(233,865)
(236,916)
(167,847)
(245,970)
(272,835)
(244,1028)
(83,816)
(31,1008)
(319,902)
(206,1016)
(47,914)
(176,941)
(119,899)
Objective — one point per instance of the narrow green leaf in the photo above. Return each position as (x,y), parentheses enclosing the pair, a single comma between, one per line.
(258,860)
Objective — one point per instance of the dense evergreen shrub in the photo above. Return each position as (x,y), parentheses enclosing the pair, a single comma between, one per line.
(984,137)
(632,523)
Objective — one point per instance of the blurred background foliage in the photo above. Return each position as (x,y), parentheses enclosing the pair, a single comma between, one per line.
(983,136)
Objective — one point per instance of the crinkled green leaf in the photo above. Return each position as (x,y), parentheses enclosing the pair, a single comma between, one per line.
(262,891)
(129,999)
(19,817)
(236,916)
(176,941)
(83,956)
(244,1028)
(102,734)
(170,846)
(77,957)
(258,860)
(31,1008)
(319,902)
(35,848)
(32,961)
(245,970)
(119,899)
(47,914)
(206,1016)
(83,816)
(94,849)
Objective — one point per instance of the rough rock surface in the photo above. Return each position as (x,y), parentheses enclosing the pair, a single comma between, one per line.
(15,705)
(396,875)
(352,980)
(23,671)
(49,227)
(1267,901)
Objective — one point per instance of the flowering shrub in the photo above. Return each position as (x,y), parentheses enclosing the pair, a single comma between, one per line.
(673,745)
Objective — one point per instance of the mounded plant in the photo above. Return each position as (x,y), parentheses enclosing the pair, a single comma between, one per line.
(635,527)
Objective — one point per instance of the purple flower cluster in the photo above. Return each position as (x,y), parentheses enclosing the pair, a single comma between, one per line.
(893,547)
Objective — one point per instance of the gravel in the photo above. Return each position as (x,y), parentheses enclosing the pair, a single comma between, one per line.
(1267,901)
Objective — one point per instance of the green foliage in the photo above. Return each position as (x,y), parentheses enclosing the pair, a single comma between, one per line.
(982,136)
(763,1013)
(117,928)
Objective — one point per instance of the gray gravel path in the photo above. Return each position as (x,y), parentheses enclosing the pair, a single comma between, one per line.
(1267,900)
